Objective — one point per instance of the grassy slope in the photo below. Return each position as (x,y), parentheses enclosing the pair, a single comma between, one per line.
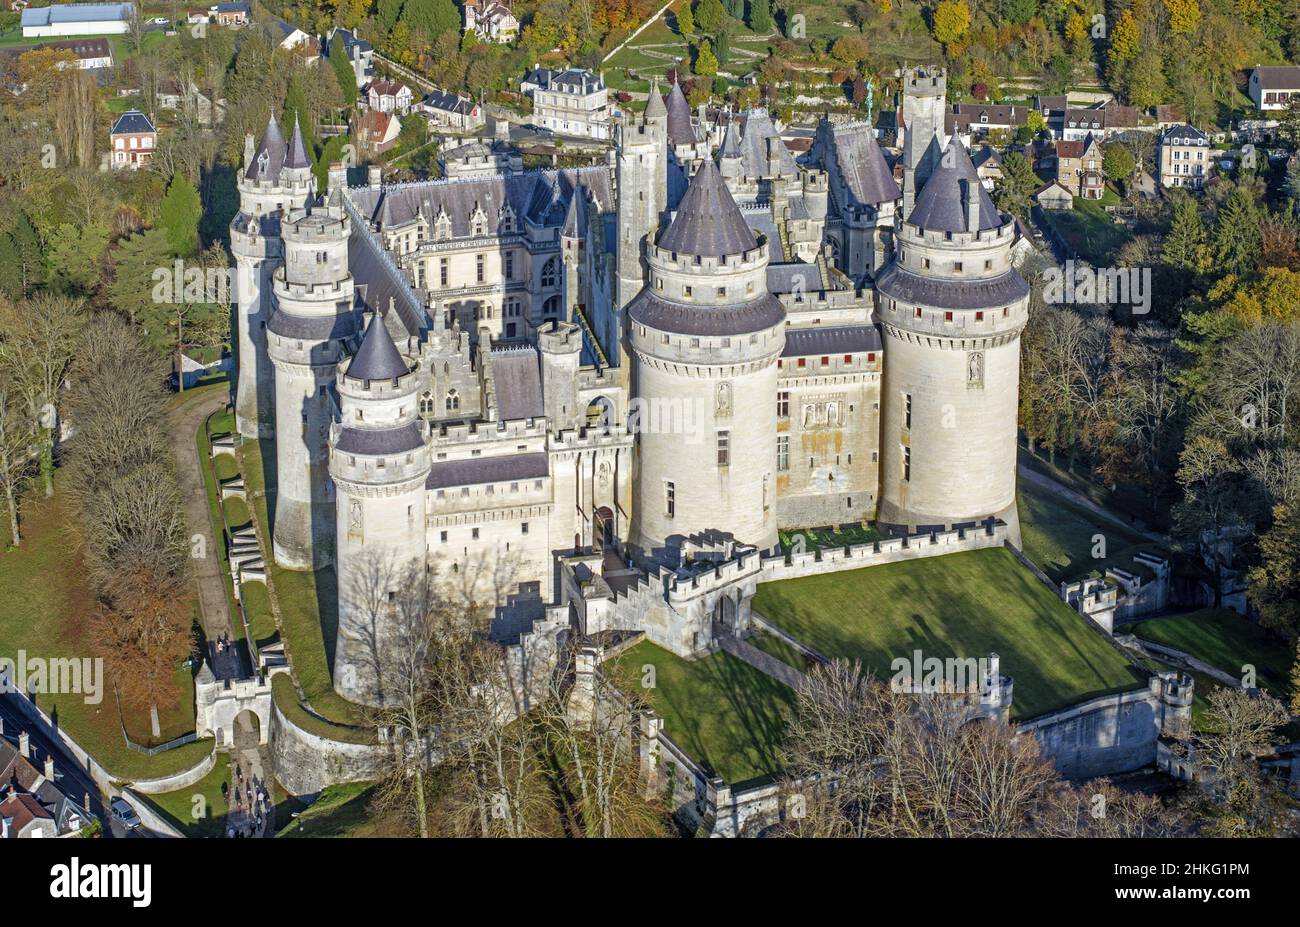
(203,798)
(960,605)
(726,715)
(44,613)
(1059,538)
(339,812)
(1227,641)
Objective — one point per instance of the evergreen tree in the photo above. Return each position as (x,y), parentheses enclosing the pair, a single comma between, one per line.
(1018,184)
(685,19)
(709,16)
(296,112)
(1236,236)
(723,51)
(388,12)
(30,267)
(347,77)
(179,215)
(11,278)
(434,17)
(760,16)
(1275,582)
(1184,245)
(706,63)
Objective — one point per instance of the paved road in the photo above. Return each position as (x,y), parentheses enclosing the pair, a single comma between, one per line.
(184,421)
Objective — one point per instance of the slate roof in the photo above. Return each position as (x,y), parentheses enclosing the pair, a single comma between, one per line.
(377,358)
(449,102)
(781,278)
(654,104)
(852,154)
(663,315)
(297,157)
(1183,135)
(131,122)
(1274,77)
(350,39)
(539,197)
(680,130)
(837,339)
(313,328)
(270,154)
(911,289)
(708,222)
(479,470)
(518,380)
(940,206)
(753,148)
(731,141)
(21,810)
(378,442)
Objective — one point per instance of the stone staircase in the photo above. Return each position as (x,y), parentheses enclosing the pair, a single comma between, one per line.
(245,555)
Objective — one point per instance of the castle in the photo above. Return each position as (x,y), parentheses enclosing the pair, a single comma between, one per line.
(638,359)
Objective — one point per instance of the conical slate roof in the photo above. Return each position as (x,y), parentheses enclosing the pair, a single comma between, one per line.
(377,358)
(941,204)
(731,141)
(654,106)
(266,164)
(708,222)
(680,130)
(297,157)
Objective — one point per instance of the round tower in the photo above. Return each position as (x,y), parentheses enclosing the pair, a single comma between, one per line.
(952,308)
(560,345)
(706,335)
(313,292)
(276,179)
(379,461)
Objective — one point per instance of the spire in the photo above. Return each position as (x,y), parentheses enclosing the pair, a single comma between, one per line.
(654,107)
(297,148)
(378,357)
(731,141)
(708,222)
(953,195)
(270,154)
(680,131)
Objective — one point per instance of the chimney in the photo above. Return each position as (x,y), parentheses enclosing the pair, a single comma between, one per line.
(971,192)
(337,177)
(909,192)
(49,767)
(25,745)
(374,175)
(249,150)
(503,130)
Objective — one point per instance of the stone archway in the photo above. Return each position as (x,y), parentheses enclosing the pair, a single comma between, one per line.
(603,536)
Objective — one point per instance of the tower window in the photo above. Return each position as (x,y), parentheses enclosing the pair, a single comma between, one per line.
(724,448)
(523,528)
(442,271)
(979,317)
(474,534)
(918,312)
(947,316)
(907,410)
(478,267)
(782,453)
(670,499)
(907,464)
(783,404)
(453,400)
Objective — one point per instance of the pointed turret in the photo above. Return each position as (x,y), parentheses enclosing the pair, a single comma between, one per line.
(377,358)
(270,155)
(708,222)
(953,199)
(680,130)
(654,107)
(297,157)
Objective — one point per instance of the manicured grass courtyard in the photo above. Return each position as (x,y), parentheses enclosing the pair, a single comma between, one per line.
(198,810)
(726,715)
(1061,539)
(1226,641)
(963,605)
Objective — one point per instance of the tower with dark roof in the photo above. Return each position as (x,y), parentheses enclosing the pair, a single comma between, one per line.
(307,337)
(924,103)
(706,335)
(379,461)
(271,183)
(642,188)
(952,307)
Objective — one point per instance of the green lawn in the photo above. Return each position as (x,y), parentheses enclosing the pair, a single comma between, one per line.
(963,605)
(200,809)
(1090,231)
(1226,641)
(45,615)
(1060,539)
(339,812)
(787,654)
(726,715)
(829,536)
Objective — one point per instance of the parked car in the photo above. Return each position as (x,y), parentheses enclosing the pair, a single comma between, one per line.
(124,813)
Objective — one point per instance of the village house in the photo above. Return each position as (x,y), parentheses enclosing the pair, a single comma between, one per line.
(377,132)
(87,54)
(32,801)
(1183,153)
(1052,195)
(1102,120)
(294,39)
(482,157)
(1079,168)
(491,21)
(173,95)
(451,111)
(132,140)
(77,19)
(197,17)
(1272,88)
(235,14)
(359,52)
(570,102)
(988,165)
(969,121)
(388,96)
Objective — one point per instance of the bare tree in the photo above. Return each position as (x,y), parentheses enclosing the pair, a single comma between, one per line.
(1240,727)
(17,437)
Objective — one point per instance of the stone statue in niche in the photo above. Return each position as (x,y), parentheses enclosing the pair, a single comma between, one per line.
(354,516)
(975,368)
(602,475)
(723,404)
